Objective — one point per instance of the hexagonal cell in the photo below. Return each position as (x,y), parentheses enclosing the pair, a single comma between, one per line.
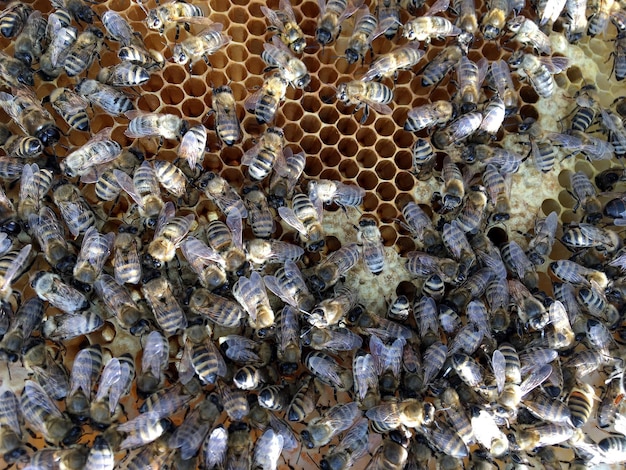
(387,213)
(385,148)
(172,94)
(193,107)
(313,166)
(329,135)
(293,132)
(386,191)
(348,168)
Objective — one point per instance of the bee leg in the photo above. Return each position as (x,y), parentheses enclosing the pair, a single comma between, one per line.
(366,113)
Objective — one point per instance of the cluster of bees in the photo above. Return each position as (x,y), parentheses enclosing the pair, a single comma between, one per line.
(159,336)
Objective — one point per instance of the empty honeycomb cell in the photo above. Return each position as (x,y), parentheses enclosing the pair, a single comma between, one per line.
(292,111)
(200,68)
(194,87)
(348,147)
(175,74)
(403,139)
(255,48)
(404,245)
(566,199)
(313,166)
(78,139)
(154,84)
(384,126)
(193,107)
(402,97)
(367,179)
(564,178)
(311,144)
(311,103)
(388,235)
(528,111)
(231,156)
(387,213)
(172,94)
(492,51)
(236,72)
(329,135)
(101,121)
(386,191)
(212,162)
(293,132)
(219,5)
(585,167)
(251,126)
(255,66)
(367,158)
(385,148)
(497,235)
(256,27)
(108,58)
(569,216)
(118,136)
(330,174)
(347,126)
(329,114)
(236,52)
(312,64)
(403,160)
(365,137)
(440,93)
(310,124)
(330,157)
(240,15)
(404,181)
(238,34)
(370,200)
(562,81)
(234,176)
(385,169)
(348,168)
(327,74)
(574,74)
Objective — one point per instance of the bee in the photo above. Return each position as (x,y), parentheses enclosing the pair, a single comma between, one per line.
(50,287)
(193,145)
(292,69)
(330,311)
(167,311)
(205,359)
(79,9)
(286,173)
(165,126)
(126,265)
(608,407)
(214,447)
(142,430)
(44,416)
(284,22)
(19,146)
(112,101)
(495,20)
(470,77)
(436,70)
(251,295)
(351,448)
(599,20)
(115,382)
(144,190)
(200,46)
(304,400)
(75,211)
(83,51)
(365,25)
(139,55)
(10,170)
(85,371)
(30,44)
(331,340)
(219,191)
(539,70)
(454,187)
(372,247)
(541,244)
(328,371)
(218,309)
(388,12)
(518,264)
(387,65)
(100,455)
(51,237)
(120,304)
(13,18)
(265,101)
(428,26)
(163,16)
(226,121)
(365,379)
(225,239)
(590,236)
(419,225)
(306,219)
(98,150)
(274,397)
(321,430)
(73,457)
(466,15)
(171,177)
(117,27)
(239,446)
(527,32)
(472,215)
(34,184)
(332,16)
(167,400)
(365,95)
(208,265)
(459,247)
(14,73)
(105,182)
(94,252)
(410,413)
(503,83)
(71,107)
(261,158)
(617,131)
(542,435)
(457,131)
(498,187)
(585,195)
(27,319)
(328,192)
(189,435)
(61,37)
(288,332)
(11,446)
(124,74)
(424,265)
(289,285)
(71,325)
(487,432)
(336,265)
(28,113)
(267,450)
(399,309)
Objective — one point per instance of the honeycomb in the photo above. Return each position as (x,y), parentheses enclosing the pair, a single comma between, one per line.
(374,154)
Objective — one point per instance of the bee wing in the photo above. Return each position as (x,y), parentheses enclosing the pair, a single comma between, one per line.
(110,375)
(285,6)
(289,327)
(272,284)
(290,441)
(10,411)
(250,154)
(565,140)
(438,6)
(267,450)
(351,7)
(322,6)
(386,413)
(381,108)
(555,64)
(251,101)
(34,393)
(535,378)
(168,211)
(81,372)
(215,447)
(15,267)
(289,216)
(273,18)
(155,353)
(193,248)
(240,291)
(120,387)
(323,368)
(185,365)
(235,224)
(126,183)
(139,423)
(498,363)
(365,377)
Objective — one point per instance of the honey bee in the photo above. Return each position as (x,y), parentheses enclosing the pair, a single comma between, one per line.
(83,51)
(306,219)
(418,223)
(259,216)
(167,311)
(373,252)
(71,107)
(225,197)
(11,446)
(203,355)
(50,235)
(288,332)
(539,70)
(588,236)
(30,44)
(142,430)
(75,211)
(251,295)
(292,69)
(260,159)
(265,101)
(585,194)
(214,447)
(498,187)
(193,145)
(117,27)
(226,121)
(120,303)
(94,252)
(289,285)
(111,100)
(387,65)
(429,26)
(454,186)
(328,371)
(50,287)
(542,435)
(13,18)
(165,126)
(79,9)
(330,312)
(424,265)
(164,16)
(44,416)
(201,46)
(34,185)
(365,95)
(527,32)
(225,239)
(321,430)
(239,446)
(436,70)
(115,382)
(466,15)
(98,150)
(61,37)
(495,20)
(139,55)
(171,177)
(286,173)
(303,402)
(85,371)
(144,190)
(126,265)
(71,325)
(189,435)
(206,263)
(28,113)
(470,77)
(429,115)
(332,16)
(218,309)
(14,73)
(10,170)
(124,74)
(365,25)
(331,340)
(410,413)
(28,318)
(457,131)
(351,448)
(503,83)
(284,22)
(268,450)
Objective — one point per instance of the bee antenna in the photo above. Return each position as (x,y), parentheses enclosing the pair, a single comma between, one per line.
(306,332)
